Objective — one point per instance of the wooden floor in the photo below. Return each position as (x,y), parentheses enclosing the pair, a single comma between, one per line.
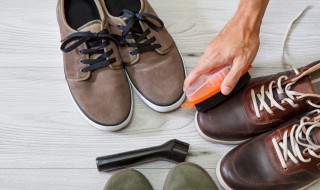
(46,144)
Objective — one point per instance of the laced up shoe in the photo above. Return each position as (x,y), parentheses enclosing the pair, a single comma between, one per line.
(265,103)
(153,62)
(287,158)
(93,66)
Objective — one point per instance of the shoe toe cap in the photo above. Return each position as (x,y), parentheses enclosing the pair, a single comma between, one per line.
(128,179)
(159,78)
(189,176)
(104,99)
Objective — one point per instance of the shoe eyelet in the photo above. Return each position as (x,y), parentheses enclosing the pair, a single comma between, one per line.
(130,53)
(81,70)
(81,61)
(119,26)
(80,51)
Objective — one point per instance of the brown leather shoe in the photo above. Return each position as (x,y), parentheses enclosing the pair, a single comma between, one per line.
(266,102)
(153,62)
(287,159)
(93,66)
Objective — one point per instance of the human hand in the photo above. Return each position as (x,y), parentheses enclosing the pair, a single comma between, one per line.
(237,45)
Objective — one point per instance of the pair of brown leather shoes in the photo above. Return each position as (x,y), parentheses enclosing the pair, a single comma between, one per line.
(111,46)
(288,157)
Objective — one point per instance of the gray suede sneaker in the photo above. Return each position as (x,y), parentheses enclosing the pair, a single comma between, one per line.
(189,176)
(128,179)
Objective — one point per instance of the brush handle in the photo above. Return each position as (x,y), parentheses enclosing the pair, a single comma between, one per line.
(173,150)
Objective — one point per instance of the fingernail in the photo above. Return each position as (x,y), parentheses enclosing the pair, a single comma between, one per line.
(226,90)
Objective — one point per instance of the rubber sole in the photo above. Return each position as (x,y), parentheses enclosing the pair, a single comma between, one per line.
(212,139)
(161,109)
(226,187)
(219,177)
(110,128)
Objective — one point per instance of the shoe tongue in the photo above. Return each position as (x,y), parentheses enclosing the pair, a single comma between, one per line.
(315,135)
(94,26)
(303,85)
(315,138)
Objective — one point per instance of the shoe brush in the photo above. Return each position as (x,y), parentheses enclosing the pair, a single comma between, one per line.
(205,92)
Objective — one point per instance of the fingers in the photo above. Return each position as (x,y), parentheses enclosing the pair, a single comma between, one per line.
(206,64)
(234,75)
(193,76)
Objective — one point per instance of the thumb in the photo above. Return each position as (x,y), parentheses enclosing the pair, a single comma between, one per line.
(205,65)
(234,75)
(193,76)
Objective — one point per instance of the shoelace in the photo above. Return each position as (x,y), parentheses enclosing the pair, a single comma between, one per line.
(269,93)
(298,133)
(96,43)
(264,94)
(142,43)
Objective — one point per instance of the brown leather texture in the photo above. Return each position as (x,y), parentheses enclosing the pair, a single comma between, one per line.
(103,95)
(235,119)
(254,165)
(159,74)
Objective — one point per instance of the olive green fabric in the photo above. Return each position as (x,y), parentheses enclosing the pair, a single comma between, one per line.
(128,179)
(189,176)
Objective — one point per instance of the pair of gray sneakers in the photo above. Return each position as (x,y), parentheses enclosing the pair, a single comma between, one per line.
(186,176)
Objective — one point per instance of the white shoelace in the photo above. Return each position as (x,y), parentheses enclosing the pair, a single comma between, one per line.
(298,133)
(286,36)
(268,93)
(292,95)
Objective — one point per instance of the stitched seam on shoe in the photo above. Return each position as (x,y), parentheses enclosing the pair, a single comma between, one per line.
(254,183)
(273,164)
(241,132)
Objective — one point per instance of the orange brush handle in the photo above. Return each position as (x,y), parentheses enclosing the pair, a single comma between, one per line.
(216,90)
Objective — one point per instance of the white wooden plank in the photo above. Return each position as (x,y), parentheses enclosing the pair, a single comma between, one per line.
(36,35)
(78,179)
(41,128)
(44,143)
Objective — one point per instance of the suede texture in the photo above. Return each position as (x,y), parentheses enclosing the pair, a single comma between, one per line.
(189,176)
(128,179)
(103,95)
(158,75)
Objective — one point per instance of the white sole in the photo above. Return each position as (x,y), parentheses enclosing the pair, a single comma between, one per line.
(155,107)
(311,184)
(219,177)
(161,109)
(212,139)
(226,187)
(110,128)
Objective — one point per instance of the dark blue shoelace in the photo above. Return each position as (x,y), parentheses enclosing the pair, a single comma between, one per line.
(96,42)
(133,30)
